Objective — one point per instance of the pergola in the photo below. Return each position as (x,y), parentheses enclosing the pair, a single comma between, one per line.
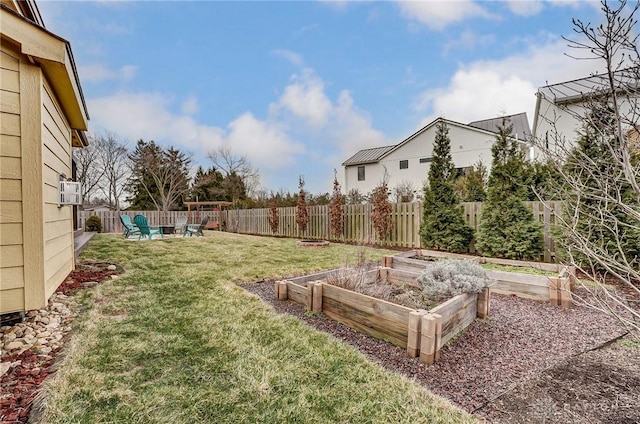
(217,211)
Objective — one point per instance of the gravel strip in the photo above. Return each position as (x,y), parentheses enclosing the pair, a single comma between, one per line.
(521,339)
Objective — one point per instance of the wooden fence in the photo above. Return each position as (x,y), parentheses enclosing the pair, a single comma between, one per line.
(358,226)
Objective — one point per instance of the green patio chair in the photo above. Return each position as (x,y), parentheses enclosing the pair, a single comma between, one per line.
(129,228)
(196,229)
(145,230)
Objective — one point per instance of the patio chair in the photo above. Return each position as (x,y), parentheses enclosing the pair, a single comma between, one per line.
(196,229)
(143,226)
(129,228)
(181,223)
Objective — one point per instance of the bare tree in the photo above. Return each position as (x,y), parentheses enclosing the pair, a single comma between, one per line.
(600,226)
(89,168)
(230,163)
(404,192)
(115,162)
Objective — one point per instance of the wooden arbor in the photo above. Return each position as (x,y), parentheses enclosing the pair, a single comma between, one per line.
(217,212)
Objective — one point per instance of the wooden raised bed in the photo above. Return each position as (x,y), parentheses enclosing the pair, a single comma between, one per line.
(421,332)
(555,290)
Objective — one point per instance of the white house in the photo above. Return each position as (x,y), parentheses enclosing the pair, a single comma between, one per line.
(408,162)
(561,107)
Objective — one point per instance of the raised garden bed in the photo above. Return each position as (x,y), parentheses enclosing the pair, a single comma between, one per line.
(421,332)
(555,289)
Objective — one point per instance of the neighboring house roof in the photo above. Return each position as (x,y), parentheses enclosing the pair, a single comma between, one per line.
(377,153)
(368,156)
(577,90)
(519,121)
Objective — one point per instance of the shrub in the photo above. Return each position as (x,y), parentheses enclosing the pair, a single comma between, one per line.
(381,213)
(302,211)
(450,277)
(93,224)
(443,225)
(336,209)
(274,217)
(507,226)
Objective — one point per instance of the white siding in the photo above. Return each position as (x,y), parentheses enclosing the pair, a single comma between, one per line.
(468,146)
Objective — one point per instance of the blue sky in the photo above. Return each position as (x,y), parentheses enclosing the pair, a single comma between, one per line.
(300,86)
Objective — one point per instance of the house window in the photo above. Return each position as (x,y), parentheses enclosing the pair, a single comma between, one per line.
(463,171)
(425,160)
(404,164)
(361,173)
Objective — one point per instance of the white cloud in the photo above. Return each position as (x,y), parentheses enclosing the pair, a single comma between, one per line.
(190,106)
(479,94)
(263,142)
(304,131)
(469,40)
(438,15)
(486,89)
(525,7)
(305,98)
(295,58)
(96,73)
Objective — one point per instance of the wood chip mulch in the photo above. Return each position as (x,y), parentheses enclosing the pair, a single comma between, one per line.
(521,342)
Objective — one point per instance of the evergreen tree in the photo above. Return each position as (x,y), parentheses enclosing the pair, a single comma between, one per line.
(472,186)
(142,188)
(443,225)
(159,178)
(207,185)
(605,224)
(507,226)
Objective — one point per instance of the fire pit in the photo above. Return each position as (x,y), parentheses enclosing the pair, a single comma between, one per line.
(312,243)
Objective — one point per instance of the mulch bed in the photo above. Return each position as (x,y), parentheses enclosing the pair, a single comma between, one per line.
(522,342)
(19,386)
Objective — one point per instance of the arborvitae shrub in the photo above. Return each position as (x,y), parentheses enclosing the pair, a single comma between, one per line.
(443,225)
(507,227)
(448,278)
(93,224)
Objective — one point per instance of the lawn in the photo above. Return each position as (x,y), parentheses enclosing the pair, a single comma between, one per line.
(174,340)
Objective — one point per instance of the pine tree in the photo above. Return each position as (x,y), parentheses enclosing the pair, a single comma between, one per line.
(603,223)
(471,187)
(443,225)
(507,226)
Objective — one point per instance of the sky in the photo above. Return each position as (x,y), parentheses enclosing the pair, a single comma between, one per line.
(300,86)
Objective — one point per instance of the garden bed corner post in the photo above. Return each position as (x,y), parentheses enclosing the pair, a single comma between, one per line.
(316,303)
(414,333)
(430,343)
(484,302)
